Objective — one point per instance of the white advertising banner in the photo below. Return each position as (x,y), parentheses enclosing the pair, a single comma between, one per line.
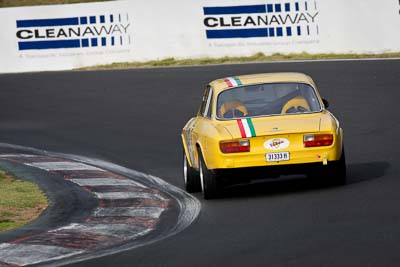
(63,37)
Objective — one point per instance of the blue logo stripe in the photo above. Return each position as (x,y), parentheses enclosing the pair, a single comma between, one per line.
(48,44)
(221,21)
(47,22)
(238,33)
(234,10)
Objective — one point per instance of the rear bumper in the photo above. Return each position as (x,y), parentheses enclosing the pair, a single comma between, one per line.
(319,156)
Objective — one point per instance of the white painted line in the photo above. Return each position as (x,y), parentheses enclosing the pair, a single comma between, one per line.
(150,212)
(105,181)
(63,166)
(18,156)
(118,230)
(20,254)
(128,195)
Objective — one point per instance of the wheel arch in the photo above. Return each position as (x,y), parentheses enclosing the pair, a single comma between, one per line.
(199,149)
(186,151)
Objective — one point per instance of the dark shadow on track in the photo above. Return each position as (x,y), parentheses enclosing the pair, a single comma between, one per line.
(356,173)
(361,172)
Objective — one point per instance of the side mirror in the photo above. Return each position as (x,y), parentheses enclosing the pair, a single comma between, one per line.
(326,103)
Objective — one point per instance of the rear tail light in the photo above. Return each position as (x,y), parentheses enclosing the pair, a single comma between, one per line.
(235,146)
(312,140)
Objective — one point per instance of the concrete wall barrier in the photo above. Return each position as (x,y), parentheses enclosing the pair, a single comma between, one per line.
(64,37)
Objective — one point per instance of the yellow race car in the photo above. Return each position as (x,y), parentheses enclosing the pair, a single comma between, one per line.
(261,126)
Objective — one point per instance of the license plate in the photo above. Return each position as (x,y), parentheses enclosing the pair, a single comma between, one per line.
(277,156)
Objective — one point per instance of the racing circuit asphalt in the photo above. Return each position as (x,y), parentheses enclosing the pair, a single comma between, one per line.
(134,118)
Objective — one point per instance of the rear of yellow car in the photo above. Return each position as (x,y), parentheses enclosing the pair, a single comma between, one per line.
(269,152)
(278,141)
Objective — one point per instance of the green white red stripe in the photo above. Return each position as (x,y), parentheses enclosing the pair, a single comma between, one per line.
(233,81)
(246,128)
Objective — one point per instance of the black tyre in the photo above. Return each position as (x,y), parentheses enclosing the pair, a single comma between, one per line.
(338,174)
(332,174)
(191,177)
(209,181)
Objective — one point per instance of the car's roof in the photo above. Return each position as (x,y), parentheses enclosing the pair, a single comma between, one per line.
(279,77)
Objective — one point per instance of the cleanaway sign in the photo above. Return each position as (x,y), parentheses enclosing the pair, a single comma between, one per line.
(63,37)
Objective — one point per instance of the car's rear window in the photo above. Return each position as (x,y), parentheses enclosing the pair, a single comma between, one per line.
(267,99)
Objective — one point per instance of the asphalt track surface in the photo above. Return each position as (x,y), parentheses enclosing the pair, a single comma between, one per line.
(134,117)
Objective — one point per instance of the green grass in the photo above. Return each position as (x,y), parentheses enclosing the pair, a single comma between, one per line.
(20,202)
(259,57)
(15,3)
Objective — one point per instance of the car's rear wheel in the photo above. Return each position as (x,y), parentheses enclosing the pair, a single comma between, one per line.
(209,181)
(337,172)
(191,177)
(332,174)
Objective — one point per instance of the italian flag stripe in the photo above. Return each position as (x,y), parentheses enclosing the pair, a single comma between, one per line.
(228,82)
(238,81)
(246,128)
(233,81)
(251,126)
(241,128)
